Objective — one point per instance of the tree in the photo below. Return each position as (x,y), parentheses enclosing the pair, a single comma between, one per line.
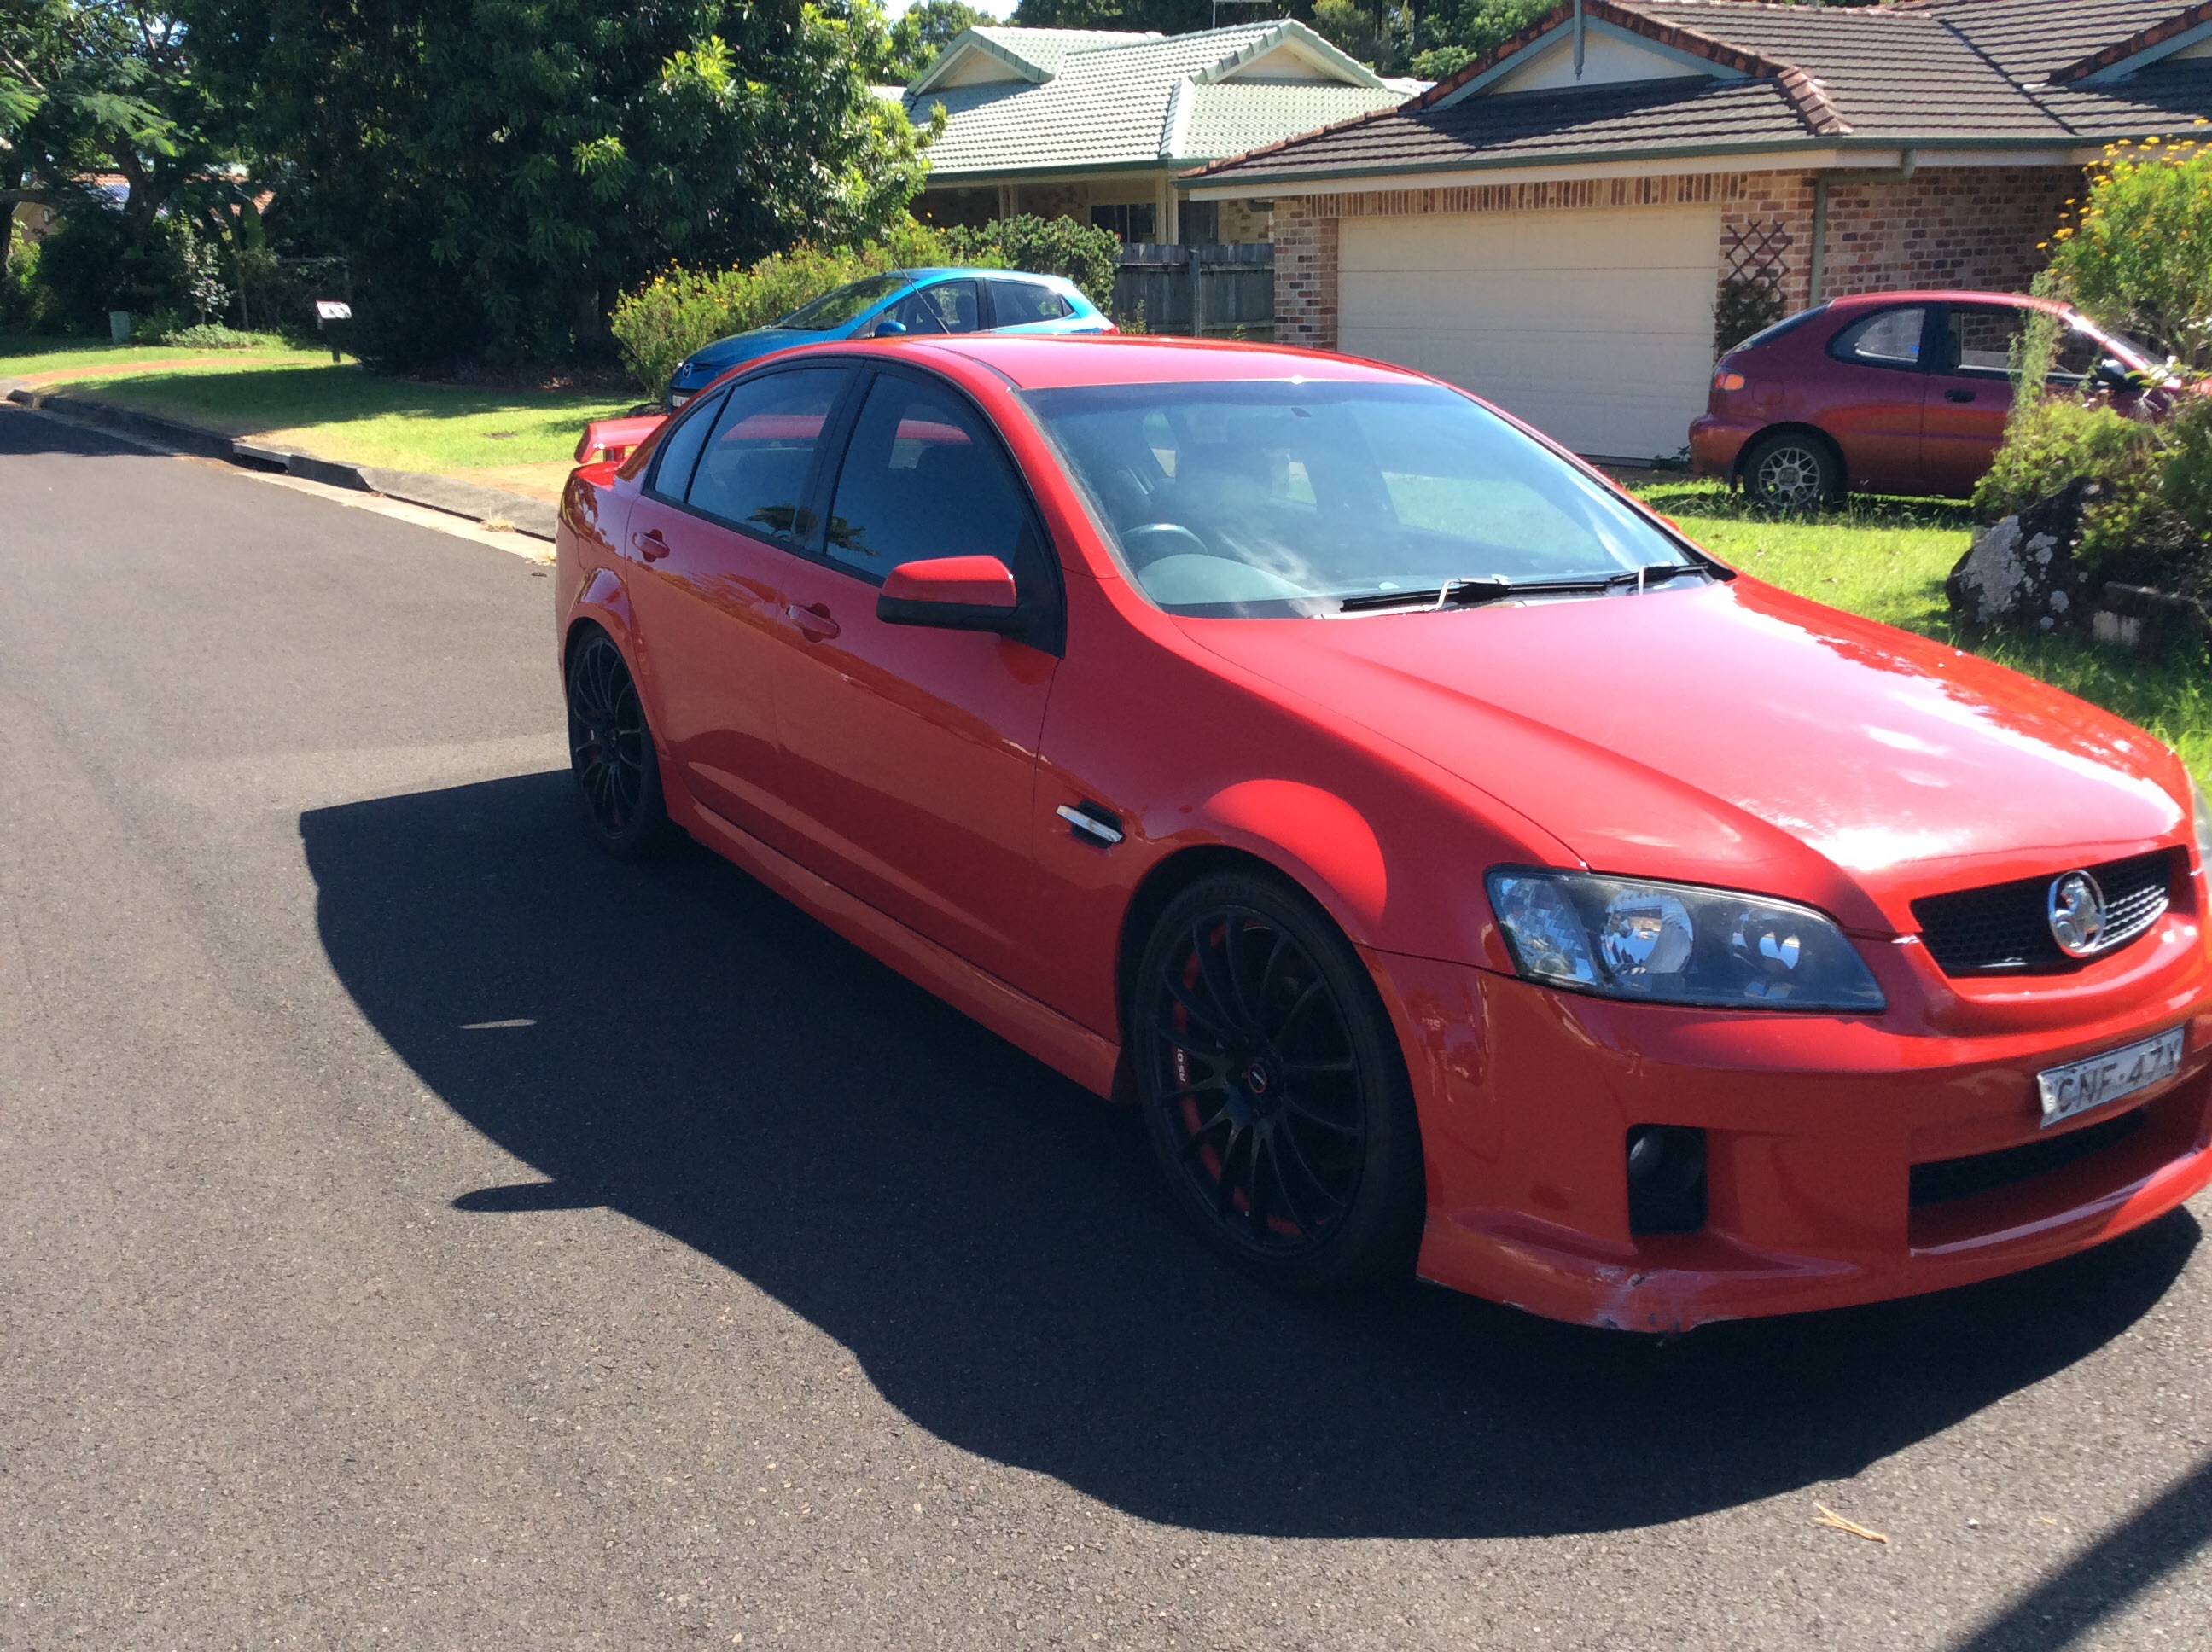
(926,30)
(2139,254)
(495,171)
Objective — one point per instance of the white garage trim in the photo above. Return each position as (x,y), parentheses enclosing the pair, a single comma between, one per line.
(1595,326)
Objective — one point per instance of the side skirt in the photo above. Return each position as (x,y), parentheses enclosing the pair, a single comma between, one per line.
(1060,1043)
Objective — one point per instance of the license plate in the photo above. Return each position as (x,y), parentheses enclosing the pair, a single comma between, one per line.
(2080,1085)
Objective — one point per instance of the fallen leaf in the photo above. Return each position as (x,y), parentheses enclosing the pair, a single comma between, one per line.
(1828,1516)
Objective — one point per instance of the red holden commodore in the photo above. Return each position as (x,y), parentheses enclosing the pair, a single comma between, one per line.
(1463,873)
(1890,393)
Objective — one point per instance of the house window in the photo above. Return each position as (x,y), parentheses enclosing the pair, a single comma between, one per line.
(1200,223)
(1133,222)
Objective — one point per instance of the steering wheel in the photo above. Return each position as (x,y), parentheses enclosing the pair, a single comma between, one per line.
(1129,535)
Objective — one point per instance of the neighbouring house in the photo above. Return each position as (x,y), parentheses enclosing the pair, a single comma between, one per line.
(1097,125)
(1553,225)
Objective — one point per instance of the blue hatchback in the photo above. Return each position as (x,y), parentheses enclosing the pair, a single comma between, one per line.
(910,301)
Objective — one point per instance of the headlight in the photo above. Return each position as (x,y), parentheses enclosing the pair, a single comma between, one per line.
(2203,811)
(1676,944)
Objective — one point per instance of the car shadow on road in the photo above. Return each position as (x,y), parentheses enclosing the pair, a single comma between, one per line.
(995,1248)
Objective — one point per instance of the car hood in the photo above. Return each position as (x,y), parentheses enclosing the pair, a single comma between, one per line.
(1733,734)
(711,359)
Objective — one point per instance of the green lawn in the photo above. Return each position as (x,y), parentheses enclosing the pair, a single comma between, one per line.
(299,399)
(1887,558)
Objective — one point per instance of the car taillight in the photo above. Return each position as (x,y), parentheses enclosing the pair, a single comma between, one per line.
(1725,378)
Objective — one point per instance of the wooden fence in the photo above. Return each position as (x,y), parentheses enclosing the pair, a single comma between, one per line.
(1226,289)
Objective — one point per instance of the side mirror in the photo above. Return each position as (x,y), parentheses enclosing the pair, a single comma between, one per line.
(2115,376)
(957,593)
(889,329)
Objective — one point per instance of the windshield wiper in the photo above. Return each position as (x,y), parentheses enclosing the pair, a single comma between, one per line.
(1472,593)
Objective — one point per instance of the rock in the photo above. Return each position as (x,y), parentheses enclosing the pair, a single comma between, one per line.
(2022,572)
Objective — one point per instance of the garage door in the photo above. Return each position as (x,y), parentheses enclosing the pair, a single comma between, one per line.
(1596,327)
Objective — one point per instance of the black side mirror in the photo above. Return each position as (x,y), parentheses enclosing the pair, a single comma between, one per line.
(2113,375)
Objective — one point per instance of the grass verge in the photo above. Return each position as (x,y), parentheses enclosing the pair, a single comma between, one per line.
(1887,558)
(298,398)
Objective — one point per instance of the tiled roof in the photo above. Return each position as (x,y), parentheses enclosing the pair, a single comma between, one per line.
(1118,99)
(1956,70)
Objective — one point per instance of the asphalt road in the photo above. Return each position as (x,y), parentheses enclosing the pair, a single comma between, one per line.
(417,1231)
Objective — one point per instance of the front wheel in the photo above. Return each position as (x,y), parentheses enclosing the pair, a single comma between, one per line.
(1791,470)
(610,752)
(1273,1089)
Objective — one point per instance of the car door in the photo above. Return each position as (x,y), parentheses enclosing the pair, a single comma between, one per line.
(1968,394)
(709,541)
(909,753)
(1870,397)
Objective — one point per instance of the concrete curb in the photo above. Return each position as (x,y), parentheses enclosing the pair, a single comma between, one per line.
(469,499)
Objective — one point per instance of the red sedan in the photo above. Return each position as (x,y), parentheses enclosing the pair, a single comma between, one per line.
(1461,872)
(1887,392)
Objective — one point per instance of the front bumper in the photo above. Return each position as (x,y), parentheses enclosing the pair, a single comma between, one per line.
(1717,441)
(1814,1125)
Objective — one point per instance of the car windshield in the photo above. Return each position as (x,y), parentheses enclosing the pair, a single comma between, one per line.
(846,303)
(1264,499)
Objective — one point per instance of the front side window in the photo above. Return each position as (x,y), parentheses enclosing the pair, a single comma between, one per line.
(752,473)
(947,306)
(922,477)
(1016,303)
(846,303)
(1887,338)
(1274,498)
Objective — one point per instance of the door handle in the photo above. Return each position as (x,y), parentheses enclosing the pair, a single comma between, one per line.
(1958,395)
(649,544)
(812,620)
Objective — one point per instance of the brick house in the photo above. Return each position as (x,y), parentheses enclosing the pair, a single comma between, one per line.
(1555,226)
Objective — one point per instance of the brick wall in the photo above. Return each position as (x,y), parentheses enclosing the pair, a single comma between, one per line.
(1962,227)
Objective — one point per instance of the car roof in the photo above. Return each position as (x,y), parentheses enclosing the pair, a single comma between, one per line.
(1032,361)
(1949,295)
(938,272)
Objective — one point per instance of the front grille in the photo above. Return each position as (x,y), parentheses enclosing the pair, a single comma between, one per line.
(2006,927)
(1981,1173)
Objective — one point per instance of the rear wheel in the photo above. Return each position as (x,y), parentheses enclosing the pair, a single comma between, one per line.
(1791,470)
(1274,1089)
(610,752)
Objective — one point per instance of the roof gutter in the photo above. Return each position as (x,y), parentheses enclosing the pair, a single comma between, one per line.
(1816,152)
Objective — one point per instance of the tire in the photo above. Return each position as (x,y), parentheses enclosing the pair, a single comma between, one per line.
(1791,470)
(610,753)
(1274,1089)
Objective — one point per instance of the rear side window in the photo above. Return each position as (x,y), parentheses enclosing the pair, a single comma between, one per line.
(1781,328)
(679,450)
(1020,302)
(752,474)
(1981,339)
(1887,338)
(922,477)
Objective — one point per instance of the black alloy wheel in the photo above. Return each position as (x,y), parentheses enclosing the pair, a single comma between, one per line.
(610,751)
(1791,470)
(1274,1091)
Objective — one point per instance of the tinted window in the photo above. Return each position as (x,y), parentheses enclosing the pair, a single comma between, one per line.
(2079,353)
(923,477)
(753,472)
(1982,339)
(1280,498)
(948,306)
(1781,328)
(679,449)
(836,308)
(1887,338)
(1017,302)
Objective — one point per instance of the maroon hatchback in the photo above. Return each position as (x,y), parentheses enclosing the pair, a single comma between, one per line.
(1887,392)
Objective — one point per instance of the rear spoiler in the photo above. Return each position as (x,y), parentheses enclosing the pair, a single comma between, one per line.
(612,441)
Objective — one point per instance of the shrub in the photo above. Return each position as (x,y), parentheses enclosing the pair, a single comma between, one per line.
(23,299)
(2139,254)
(1084,253)
(2186,476)
(208,336)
